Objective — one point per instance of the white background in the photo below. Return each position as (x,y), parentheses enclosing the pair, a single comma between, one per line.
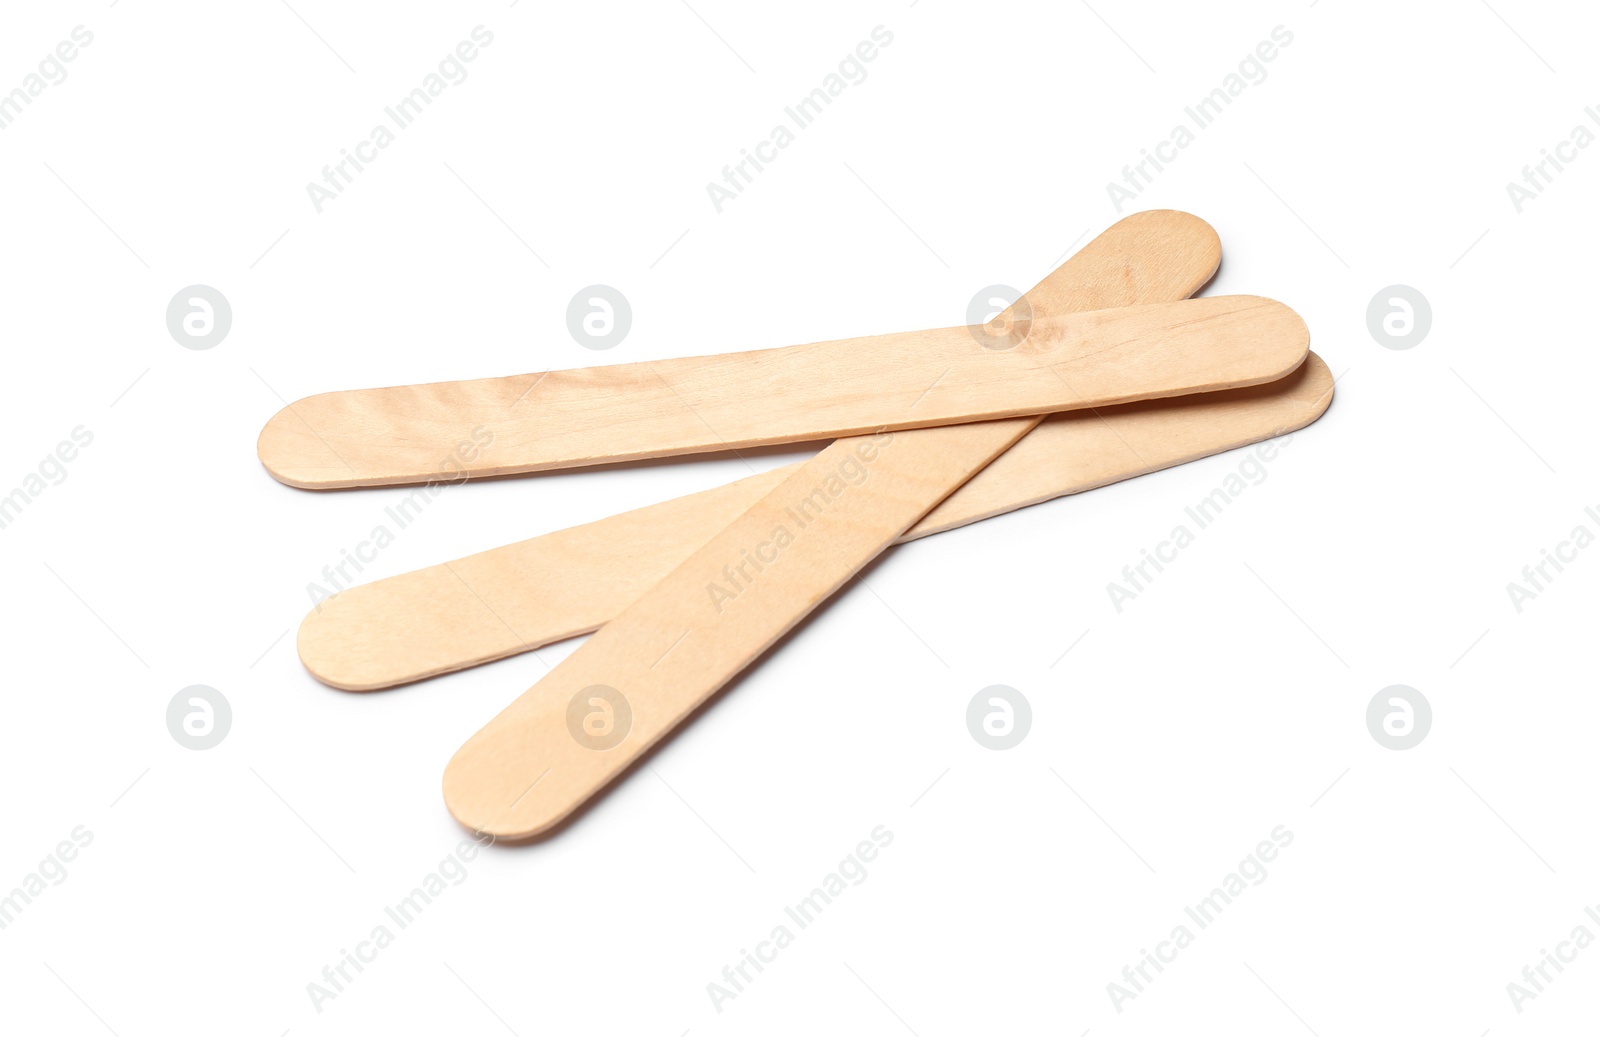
(1228,699)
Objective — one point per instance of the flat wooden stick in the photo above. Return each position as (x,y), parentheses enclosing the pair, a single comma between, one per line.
(667,408)
(364,639)
(692,632)
(684,638)
(516,598)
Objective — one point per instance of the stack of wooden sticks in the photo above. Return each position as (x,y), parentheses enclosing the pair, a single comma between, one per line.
(1104,371)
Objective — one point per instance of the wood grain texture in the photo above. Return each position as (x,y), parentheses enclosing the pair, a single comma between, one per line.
(498,603)
(667,408)
(690,633)
(1081,450)
(686,636)
(515,598)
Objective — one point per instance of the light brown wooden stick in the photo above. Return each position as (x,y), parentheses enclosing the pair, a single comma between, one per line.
(365,638)
(642,673)
(667,408)
(512,599)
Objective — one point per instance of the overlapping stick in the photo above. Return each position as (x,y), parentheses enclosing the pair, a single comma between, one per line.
(519,597)
(668,408)
(686,593)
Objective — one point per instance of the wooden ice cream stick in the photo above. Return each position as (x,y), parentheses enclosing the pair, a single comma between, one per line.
(642,673)
(385,634)
(667,408)
(516,598)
